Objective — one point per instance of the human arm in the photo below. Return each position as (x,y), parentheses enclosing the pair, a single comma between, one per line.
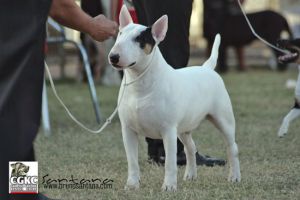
(68,13)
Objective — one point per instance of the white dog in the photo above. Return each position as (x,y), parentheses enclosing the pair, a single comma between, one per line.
(294,47)
(163,103)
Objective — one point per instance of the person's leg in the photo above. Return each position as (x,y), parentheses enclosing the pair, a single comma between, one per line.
(179,13)
(19,122)
(214,16)
(222,66)
(94,49)
(21,82)
(155,150)
(140,12)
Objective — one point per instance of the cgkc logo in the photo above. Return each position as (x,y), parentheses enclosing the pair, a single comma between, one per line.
(23,177)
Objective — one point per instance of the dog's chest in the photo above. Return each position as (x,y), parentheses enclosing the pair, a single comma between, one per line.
(143,114)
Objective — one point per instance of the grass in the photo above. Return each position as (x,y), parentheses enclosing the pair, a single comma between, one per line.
(270,166)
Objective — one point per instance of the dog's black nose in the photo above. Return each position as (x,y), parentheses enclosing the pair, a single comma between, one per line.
(114,58)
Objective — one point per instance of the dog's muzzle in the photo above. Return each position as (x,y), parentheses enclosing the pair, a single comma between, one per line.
(114,58)
(122,68)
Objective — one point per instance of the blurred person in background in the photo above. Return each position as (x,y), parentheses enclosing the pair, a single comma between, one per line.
(95,49)
(215,15)
(22,44)
(116,6)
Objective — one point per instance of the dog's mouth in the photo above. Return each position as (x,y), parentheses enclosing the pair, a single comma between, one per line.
(293,54)
(119,67)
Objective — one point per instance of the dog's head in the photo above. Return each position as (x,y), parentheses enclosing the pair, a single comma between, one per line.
(135,43)
(293,46)
(19,169)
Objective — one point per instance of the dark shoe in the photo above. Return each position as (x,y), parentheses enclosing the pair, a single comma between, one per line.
(181,160)
(209,161)
(156,153)
(222,68)
(160,160)
(156,160)
(201,160)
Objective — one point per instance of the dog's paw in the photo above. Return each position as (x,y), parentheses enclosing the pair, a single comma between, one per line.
(132,184)
(132,187)
(169,187)
(283,129)
(282,132)
(190,175)
(234,177)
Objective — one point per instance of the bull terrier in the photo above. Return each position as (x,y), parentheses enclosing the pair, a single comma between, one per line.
(160,102)
(294,47)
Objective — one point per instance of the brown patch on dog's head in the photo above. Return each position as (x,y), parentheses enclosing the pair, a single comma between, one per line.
(146,40)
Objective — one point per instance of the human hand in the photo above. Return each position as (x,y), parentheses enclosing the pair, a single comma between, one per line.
(101,28)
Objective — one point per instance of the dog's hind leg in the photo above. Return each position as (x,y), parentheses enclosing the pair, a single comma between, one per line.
(190,152)
(224,120)
(130,140)
(170,145)
(293,114)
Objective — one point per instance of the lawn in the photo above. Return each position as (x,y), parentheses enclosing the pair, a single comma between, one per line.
(270,166)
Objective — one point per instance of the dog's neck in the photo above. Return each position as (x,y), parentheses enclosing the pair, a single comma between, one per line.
(150,71)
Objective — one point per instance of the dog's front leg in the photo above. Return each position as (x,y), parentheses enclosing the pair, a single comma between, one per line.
(170,145)
(293,114)
(130,140)
(190,151)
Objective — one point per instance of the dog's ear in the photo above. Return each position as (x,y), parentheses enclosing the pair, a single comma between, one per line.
(124,17)
(159,29)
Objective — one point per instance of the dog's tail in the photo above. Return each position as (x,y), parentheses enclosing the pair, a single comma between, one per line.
(212,61)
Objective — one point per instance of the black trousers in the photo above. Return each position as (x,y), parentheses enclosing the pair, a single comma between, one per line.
(175,48)
(22,40)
